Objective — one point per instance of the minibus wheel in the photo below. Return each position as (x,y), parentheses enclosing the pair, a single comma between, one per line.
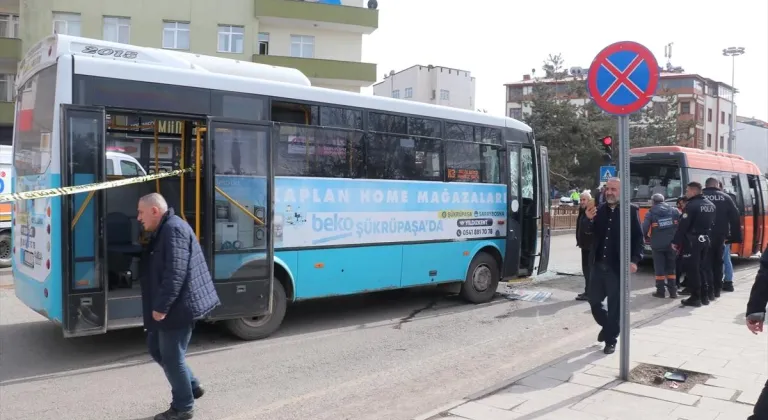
(256,328)
(482,279)
(5,249)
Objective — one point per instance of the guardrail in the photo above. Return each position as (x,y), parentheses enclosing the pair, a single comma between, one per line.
(564,217)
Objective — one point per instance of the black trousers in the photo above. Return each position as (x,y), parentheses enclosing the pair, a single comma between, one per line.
(761,408)
(585,268)
(604,282)
(714,265)
(693,266)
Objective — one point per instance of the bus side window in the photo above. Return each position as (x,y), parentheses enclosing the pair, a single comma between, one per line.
(527,175)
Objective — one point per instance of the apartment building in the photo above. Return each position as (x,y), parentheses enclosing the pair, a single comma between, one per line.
(430,84)
(321,38)
(705,101)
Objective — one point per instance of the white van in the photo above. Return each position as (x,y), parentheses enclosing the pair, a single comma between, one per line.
(121,164)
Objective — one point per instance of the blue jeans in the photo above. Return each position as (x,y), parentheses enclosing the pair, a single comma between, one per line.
(727,264)
(168,348)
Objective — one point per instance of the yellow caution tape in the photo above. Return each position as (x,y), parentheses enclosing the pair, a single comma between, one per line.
(55,192)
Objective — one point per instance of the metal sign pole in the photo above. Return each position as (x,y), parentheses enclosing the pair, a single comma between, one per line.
(624,281)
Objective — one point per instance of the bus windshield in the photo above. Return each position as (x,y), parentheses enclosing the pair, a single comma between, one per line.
(34,123)
(649,178)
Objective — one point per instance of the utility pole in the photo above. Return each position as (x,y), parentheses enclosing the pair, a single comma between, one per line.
(732,52)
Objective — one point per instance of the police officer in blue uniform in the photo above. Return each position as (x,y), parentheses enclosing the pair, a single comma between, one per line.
(727,227)
(693,238)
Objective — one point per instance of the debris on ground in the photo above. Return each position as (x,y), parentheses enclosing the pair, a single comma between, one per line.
(526,295)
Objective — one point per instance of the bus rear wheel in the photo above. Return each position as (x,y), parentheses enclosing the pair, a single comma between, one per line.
(5,249)
(482,279)
(256,328)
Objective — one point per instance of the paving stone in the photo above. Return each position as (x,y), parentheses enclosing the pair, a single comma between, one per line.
(539,382)
(555,373)
(477,411)
(617,405)
(713,392)
(503,400)
(569,414)
(750,396)
(603,371)
(591,380)
(726,407)
(657,393)
(685,412)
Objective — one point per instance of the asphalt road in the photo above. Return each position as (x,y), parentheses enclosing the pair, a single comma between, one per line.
(385,356)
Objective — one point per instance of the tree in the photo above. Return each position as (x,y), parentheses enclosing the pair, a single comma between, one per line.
(659,124)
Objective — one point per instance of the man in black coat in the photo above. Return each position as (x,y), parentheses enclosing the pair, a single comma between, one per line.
(727,228)
(176,290)
(758,299)
(584,241)
(604,224)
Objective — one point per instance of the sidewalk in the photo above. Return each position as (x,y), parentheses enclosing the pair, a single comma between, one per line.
(712,340)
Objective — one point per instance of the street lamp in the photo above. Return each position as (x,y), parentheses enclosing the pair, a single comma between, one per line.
(732,52)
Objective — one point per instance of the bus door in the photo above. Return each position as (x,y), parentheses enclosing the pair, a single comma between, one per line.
(83,251)
(758,211)
(529,208)
(514,226)
(546,209)
(239,185)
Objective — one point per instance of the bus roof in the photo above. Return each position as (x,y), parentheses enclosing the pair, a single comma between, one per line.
(704,159)
(45,52)
(183,69)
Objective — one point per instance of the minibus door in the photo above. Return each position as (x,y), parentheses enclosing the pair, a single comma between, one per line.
(546,209)
(239,187)
(514,227)
(83,250)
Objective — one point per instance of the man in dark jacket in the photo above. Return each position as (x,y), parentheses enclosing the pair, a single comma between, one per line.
(758,299)
(727,227)
(176,290)
(584,241)
(659,226)
(604,223)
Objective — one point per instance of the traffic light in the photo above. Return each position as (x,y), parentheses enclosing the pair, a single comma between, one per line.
(607,142)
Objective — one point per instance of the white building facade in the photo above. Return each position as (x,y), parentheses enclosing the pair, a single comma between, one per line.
(752,141)
(430,84)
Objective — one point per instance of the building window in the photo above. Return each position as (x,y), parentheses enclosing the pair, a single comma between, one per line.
(709,115)
(302,46)
(445,95)
(263,43)
(409,92)
(117,29)
(730,119)
(66,23)
(396,93)
(516,113)
(685,108)
(9,26)
(6,87)
(722,142)
(231,39)
(722,117)
(709,140)
(176,35)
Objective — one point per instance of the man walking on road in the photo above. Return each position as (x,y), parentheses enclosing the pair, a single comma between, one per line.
(758,299)
(176,290)
(584,241)
(727,226)
(659,226)
(604,224)
(692,239)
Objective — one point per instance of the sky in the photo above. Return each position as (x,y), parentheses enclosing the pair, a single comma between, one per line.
(500,40)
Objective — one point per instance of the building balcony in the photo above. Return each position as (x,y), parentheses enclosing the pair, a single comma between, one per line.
(6,113)
(10,49)
(348,73)
(311,13)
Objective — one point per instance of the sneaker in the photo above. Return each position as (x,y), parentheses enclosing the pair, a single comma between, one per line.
(727,286)
(695,303)
(601,336)
(659,294)
(581,296)
(198,392)
(673,294)
(173,414)
(609,348)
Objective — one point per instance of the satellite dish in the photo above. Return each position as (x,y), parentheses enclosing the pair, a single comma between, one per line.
(373,4)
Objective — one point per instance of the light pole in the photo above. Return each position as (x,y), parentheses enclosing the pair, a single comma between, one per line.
(732,52)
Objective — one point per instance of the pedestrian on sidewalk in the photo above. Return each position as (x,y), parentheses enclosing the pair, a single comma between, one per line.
(727,227)
(692,238)
(659,227)
(176,290)
(605,258)
(584,241)
(758,299)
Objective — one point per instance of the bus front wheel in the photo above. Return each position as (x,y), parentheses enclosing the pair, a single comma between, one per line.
(5,249)
(256,328)
(482,279)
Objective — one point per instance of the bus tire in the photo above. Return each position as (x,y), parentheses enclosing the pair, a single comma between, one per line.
(5,249)
(257,328)
(482,279)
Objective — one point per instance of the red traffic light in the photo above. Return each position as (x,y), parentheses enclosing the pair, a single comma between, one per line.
(607,141)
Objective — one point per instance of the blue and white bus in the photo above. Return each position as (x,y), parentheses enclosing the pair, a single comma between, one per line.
(296,193)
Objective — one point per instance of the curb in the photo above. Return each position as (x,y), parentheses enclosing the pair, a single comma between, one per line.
(561,232)
(509,382)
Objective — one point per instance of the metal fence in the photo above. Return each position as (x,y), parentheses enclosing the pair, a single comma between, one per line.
(564,217)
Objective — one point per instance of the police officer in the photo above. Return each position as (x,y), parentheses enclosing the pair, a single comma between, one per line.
(726,222)
(692,238)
